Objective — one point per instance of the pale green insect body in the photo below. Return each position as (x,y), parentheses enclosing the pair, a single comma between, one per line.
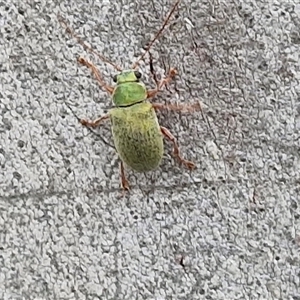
(137,136)
(135,128)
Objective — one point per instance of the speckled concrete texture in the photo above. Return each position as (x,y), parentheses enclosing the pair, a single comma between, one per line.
(229,230)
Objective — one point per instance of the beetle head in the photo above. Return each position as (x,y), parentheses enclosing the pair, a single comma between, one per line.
(127,76)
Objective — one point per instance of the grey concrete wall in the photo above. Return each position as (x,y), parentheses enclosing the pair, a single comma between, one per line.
(229,230)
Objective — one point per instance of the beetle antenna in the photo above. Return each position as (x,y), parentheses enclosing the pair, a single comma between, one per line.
(84,44)
(157,34)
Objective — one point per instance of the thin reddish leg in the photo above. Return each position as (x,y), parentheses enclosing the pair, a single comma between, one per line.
(190,165)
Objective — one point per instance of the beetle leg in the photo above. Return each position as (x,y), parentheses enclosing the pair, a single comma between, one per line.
(124,182)
(164,81)
(190,165)
(97,74)
(94,123)
(178,107)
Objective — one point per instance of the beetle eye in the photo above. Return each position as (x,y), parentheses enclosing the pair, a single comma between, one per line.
(115,78)
(137,74)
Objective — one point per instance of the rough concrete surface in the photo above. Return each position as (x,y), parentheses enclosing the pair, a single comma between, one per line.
(229,230)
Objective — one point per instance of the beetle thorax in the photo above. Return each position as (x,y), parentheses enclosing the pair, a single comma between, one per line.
(129,90)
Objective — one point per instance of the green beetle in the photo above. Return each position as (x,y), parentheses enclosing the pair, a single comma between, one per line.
(137,135)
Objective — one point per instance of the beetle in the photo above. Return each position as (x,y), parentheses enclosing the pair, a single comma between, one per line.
(137,134)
